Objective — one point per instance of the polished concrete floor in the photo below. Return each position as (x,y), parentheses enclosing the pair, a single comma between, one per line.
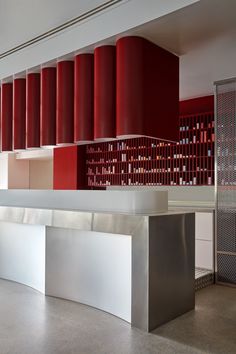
(31,324)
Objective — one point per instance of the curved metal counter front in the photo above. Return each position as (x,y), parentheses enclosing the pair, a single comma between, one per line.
(123,264)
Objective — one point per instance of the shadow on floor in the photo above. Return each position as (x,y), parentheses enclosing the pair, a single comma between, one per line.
(211,327)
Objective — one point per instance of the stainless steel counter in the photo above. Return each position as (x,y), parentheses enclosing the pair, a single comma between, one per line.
(162,259)
(90,221)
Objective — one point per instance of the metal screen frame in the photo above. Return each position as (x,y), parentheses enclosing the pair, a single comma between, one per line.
(225,182)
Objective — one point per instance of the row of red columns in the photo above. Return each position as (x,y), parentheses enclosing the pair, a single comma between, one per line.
(109,93)
(20,113)
(86,97)
(61,105)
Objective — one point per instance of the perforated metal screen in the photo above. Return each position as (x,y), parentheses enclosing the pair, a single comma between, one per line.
(226,181)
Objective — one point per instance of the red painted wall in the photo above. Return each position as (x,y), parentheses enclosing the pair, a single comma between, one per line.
(196,105)
(69,167)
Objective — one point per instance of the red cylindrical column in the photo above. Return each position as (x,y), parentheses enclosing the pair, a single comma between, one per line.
(6,117)
(130,86)
(105,92)
(33,110)
(147,90)
(19,113)
(83,97)
(48,107)
(65,103)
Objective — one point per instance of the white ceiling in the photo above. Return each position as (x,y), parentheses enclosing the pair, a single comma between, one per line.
(22,20)
(36,16)
(192,26)
(202,34)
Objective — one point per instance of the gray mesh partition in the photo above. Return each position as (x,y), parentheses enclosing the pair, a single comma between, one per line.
(226,181)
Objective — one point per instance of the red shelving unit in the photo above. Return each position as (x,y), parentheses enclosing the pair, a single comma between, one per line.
(197,139)
(149,161)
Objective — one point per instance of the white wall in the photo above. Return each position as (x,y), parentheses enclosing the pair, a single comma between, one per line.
(24,173)
(41,174)
(209,62)
(14,174)
(3,171)
(204,240)
(18,173)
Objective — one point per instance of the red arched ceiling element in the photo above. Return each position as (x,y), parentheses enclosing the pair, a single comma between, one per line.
(6,117)
(65,103)
(19,113)
(33,110)
(147,89)
(105,92)
(83,98)
(48,107)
